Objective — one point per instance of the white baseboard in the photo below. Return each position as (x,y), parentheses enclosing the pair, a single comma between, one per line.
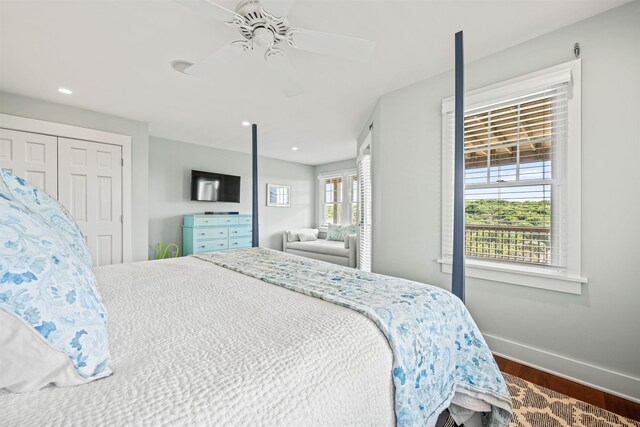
(615,383)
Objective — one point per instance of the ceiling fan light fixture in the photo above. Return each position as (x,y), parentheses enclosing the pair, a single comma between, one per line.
(64,90)
(295,148)
(263,37)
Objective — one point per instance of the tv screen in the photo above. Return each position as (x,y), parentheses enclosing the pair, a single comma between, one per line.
(214,187)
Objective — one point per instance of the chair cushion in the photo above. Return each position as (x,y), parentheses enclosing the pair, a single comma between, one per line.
(321,246)
(52,296)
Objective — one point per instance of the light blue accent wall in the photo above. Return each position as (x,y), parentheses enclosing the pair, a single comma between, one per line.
(170,165)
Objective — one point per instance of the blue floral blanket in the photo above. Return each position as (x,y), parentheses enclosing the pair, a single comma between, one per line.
(437,348)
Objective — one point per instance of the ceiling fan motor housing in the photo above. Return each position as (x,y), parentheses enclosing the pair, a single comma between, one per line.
(262,28)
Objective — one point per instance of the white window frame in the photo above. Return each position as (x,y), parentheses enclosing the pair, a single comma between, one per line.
(346,194)
(568,279)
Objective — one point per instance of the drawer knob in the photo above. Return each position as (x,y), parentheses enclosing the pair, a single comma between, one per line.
(202,247)
(235,232)
(202,234)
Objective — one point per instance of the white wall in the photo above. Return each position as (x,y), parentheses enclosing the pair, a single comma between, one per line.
(43,110)
(593,337)
(170,165)
(335,166)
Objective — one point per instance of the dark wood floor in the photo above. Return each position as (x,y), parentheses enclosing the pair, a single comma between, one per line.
(595,397)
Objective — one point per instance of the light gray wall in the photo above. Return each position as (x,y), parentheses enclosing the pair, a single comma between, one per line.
(593,337)
(43,110)
(170,165)
(324,168)
(336,166)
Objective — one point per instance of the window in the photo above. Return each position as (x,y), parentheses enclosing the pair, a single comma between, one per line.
(521,153)
(337,202)
(332,201)
(510,154)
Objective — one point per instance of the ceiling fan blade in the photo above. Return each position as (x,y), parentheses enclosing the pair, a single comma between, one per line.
(210,9)
(331,44)
(209,65)
(284,73)
(278,8)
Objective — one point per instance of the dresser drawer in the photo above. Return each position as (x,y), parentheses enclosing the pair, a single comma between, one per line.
(239,231)
(199,221)
(210,233)
(240,242)
(244,220)
(231,220)
(210,245)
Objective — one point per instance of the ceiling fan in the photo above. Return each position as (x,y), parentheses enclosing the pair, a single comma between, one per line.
(263,24)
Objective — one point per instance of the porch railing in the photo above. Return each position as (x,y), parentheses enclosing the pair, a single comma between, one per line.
(507,243)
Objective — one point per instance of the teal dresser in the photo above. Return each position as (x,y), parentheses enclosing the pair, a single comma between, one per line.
(207,233)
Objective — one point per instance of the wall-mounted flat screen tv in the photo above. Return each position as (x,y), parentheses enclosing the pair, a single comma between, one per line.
(214,187)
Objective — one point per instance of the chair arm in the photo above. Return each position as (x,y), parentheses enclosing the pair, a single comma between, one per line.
(353,250)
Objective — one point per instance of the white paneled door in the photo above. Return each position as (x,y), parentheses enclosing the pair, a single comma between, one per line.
(90,187)
(32,157)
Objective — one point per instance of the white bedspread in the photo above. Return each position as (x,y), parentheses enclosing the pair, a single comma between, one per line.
(196,344)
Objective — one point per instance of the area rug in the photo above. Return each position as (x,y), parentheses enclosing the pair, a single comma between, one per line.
(535,406)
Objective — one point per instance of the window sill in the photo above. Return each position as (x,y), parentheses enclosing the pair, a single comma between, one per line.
(540,278)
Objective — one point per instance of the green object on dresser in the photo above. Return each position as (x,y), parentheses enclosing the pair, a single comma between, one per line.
(210,233)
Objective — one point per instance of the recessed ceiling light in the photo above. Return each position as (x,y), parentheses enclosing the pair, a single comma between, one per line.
(180,65)
(246,123)
(64,90)
(294,148)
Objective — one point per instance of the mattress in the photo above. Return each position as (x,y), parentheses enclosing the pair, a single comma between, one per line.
(197,344)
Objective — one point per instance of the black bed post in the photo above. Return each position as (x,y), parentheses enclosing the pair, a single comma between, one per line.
(457,276)
(254,173)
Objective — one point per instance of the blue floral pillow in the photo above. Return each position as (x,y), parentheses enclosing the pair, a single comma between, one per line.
(48,289)
(51,211)
(339,232)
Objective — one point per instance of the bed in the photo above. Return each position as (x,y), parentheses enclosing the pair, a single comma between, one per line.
(196,343)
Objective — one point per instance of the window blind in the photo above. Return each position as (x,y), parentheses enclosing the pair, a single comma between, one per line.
(514,192)
(355,196)
(364,211)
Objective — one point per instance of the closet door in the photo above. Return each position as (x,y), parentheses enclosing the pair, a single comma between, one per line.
(32,157)
(90,187)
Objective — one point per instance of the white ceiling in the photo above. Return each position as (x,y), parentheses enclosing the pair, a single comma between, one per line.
(116,55)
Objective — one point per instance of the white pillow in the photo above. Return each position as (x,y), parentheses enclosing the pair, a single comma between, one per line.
(54,214)
(307,236)
(58,320)
(292,235)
